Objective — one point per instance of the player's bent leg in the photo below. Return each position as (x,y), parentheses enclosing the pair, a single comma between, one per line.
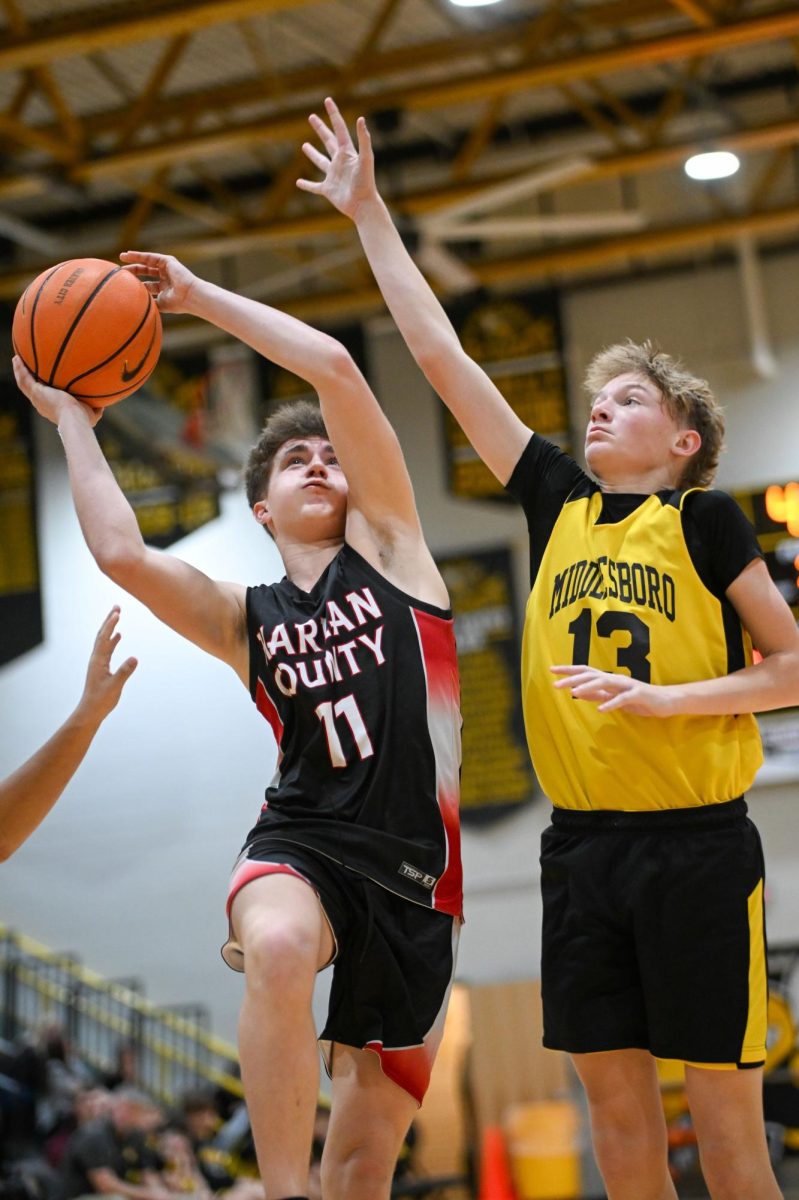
(628,1129)
(727,1112)
(279,923)
(370,1117)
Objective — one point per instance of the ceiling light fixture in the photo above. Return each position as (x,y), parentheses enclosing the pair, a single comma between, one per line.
(472,3)
(713,164)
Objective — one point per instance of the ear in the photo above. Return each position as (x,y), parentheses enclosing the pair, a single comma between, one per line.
(687,443)
(260,510)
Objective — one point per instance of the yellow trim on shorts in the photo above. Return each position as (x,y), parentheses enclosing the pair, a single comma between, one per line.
(712,1066)
(754,1044)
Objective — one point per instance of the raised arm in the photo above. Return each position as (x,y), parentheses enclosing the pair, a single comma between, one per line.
(381,502)
(208,613)
(490,424)
(27,796)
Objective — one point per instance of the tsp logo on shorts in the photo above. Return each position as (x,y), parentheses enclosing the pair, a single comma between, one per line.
(420,877)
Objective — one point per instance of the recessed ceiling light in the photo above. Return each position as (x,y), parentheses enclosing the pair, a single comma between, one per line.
(714,164)
(472,3)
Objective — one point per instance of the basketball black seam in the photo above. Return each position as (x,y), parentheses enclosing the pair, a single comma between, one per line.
(125,391)
(74,325)
(111,357)
(42,286)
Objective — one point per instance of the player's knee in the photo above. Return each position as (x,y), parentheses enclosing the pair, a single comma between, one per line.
(279,953)
(624,1161)
(734,1181)
(733,1168)
(625,1143)
(361,1172)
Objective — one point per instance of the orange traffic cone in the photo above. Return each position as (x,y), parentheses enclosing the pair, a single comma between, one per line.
(495,1177)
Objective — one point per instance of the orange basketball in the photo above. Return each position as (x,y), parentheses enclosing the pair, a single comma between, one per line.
(90,328)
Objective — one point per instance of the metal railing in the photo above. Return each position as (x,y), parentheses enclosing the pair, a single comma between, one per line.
(172,1047)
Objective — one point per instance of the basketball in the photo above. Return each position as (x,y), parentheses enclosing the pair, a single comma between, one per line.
(90,328)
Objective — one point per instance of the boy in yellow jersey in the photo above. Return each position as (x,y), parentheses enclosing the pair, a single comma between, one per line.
(647,593)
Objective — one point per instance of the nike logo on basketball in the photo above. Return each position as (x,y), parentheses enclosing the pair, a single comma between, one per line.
(128,375)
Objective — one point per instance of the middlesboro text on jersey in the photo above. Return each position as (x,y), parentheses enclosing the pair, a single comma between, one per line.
(634,583)
(327,663)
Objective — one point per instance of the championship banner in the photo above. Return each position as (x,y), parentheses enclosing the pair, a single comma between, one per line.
(517,341)
(497,777)
(157,446)
(20,596)
(774,512)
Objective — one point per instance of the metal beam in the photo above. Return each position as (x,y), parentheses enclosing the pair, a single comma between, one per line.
(99,30)
(658,243)
(631,55)
(477,86)
(484,46)
(325,222)
(698,13)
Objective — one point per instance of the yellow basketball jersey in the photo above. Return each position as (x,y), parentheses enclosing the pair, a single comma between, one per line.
(626,597)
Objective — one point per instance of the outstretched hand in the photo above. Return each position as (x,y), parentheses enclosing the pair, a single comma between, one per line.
(49,402)
(165,277)
(103,686)
(612,692)
(348,170)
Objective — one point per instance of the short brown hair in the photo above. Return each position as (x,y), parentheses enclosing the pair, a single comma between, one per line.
(688,398)
(300,419)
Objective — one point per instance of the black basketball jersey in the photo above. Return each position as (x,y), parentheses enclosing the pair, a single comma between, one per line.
(359,682)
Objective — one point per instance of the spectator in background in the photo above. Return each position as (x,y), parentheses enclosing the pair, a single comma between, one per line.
(65,1076)
(125,1071)
(113,1154)
(180,1169)
(23,1082)
(87,1105)
(219,1157)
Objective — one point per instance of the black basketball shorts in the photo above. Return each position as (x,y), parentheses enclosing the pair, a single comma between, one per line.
(653,934)
(393,964)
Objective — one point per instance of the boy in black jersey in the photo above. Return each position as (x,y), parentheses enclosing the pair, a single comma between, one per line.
(646,596)
(355,858)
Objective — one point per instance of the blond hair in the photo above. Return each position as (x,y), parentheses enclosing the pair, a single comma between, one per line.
(687,398)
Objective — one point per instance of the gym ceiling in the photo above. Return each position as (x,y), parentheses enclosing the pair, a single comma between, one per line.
(522,144)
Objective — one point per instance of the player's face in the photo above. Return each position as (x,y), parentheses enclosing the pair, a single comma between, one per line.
(631,436)
(307,495)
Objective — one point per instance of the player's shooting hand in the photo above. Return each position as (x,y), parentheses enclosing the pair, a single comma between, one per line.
(612,692)
(103,686)
(50,402)
(167,280)
(348,170)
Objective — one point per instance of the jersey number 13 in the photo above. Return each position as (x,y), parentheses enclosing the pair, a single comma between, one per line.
(634,656)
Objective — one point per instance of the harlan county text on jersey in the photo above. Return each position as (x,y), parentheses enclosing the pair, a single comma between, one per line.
(328,664)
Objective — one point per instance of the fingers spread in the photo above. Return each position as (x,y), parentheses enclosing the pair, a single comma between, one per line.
(339,124)
(364,140)
(126,670)
(325,135)
(317,158)
(107,627)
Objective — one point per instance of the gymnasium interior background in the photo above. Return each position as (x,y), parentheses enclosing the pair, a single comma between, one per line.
(130,870)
